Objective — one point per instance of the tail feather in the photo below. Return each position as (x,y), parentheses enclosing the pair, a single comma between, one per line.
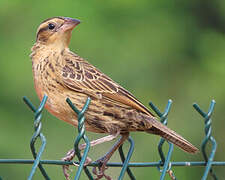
(168,134)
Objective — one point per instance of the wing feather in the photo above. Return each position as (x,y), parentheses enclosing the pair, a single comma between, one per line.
(88,79)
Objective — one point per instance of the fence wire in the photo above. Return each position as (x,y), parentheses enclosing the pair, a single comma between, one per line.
(164,165)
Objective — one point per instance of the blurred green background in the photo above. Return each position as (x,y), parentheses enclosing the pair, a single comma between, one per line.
(155,49)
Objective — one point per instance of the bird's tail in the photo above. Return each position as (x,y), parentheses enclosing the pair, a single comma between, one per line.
(160,129)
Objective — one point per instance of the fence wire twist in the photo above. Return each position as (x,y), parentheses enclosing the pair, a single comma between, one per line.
(164,165)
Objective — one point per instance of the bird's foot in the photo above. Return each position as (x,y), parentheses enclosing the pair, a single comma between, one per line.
(69,156)
(99,171)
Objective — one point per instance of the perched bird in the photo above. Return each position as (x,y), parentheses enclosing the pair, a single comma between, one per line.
(60,74)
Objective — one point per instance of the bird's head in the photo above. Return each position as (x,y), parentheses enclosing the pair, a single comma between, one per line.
(56,31)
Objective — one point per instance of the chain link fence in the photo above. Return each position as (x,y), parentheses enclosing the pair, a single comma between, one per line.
(164,165)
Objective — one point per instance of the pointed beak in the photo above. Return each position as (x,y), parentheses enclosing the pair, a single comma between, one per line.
(69,23)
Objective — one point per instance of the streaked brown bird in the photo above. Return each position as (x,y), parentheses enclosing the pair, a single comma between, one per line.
(60,74)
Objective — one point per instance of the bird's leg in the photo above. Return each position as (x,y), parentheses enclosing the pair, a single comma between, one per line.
(103,161)
(71,153)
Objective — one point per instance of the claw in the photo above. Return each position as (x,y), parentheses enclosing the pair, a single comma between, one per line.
(69,156)
(87,161)
(100,173)
(66,169)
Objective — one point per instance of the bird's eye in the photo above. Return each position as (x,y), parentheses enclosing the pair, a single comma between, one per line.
(51,26)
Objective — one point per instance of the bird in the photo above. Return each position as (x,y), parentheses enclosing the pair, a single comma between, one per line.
(60,74)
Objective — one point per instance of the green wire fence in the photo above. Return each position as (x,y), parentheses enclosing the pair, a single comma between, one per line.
(164,165)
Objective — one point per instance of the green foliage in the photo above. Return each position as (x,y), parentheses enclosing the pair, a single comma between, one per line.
(156,49)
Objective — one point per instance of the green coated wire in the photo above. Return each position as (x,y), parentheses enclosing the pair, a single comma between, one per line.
(81,135)
(164,161)
(126,161)
(114,164)
(163,119)
(208,138)
(37,133)
(167,164)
